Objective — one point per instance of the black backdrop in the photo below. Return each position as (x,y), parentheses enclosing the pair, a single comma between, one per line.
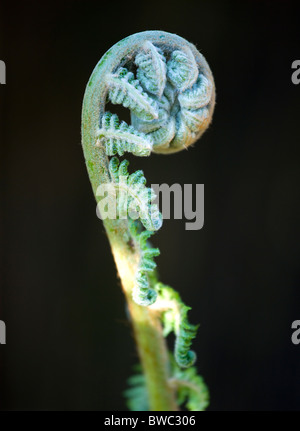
(69,345)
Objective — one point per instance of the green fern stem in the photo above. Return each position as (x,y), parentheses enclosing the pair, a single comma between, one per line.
(147,328)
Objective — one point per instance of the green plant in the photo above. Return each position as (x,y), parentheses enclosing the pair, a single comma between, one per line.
(169,89)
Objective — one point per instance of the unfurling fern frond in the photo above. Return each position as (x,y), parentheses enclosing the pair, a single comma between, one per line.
(170,93)
(191,389)
(127,91)
(134,199)
(196,120)
(121,138)
(149,126)
(184,136)
(168,87)
(198,96)
(163,136)
(174,317)
(137,395)
(182,69)
(142,292)
(152,69)
(185,333)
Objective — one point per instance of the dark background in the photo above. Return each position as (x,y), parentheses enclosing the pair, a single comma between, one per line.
(69,345)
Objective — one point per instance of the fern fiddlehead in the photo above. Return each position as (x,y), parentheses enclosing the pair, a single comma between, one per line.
(169,89)
(121,138)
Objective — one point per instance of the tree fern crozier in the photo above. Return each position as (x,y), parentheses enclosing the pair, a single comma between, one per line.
(169,89)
